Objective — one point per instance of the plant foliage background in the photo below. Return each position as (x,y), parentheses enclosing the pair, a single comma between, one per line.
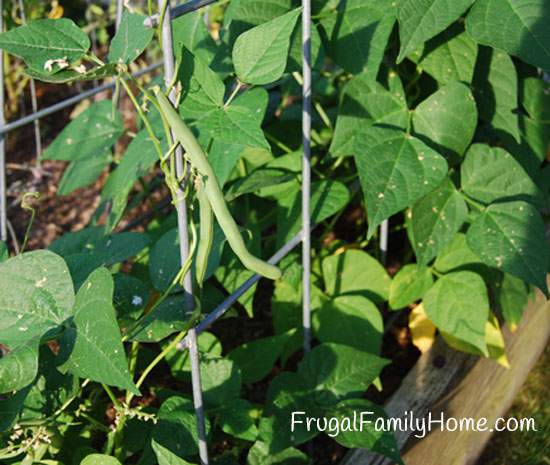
(434,114)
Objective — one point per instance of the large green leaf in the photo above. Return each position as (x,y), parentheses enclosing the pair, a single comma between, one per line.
(221,381)
(81,173)
(511,297)
(490,174)
(260,54)
(95,345)
(510,236)
(256,358)
(358,33)
(36,295)
(131,39)
(420,20)
(395,169)
(99,459)
(237,420)
(19,367)
(435,219)
(365,103)
(519,27)
(239,123)
(458,305)
(190,32)
(409,285)
(356,272)
(327,198)
(41,42)
(451,56)
(202,88)
(536,100)
(365,435)
(496,90)
(447,119)
(339,372)
(455,255)
(352,320)
(92,132)
(259,454)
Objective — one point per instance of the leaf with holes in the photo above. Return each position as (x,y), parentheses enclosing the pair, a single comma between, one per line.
(94,343)
(435,219)
(458,305)
(510,236)
(46,45)
(92,132)
(260,54)
(518,27)
(447,119)
(420,20)
(395,169)
(131,39)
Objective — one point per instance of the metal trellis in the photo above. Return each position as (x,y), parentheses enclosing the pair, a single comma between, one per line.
(304,236)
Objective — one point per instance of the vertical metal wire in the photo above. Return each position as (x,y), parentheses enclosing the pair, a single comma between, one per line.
(3,202)
(34,103)
(306,172)
(384,241)
(197,393)
(119,10)
(169,71)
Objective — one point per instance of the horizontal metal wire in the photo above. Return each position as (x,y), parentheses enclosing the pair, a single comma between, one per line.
(70,101)
(226,304)
(178,11)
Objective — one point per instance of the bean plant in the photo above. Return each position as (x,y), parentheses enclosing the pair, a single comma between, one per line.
(432,115)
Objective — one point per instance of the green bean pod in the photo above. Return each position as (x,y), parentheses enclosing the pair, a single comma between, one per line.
(213,192)
(206,233)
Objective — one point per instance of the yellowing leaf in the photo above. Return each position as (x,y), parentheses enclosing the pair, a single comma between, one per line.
(422,329)
(495,342)
(57,10)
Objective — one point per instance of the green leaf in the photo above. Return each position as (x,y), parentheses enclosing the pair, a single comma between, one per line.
(232,274)
(364,435)
(164,260)
(190,31)
(131,38)
(19,367)
(295,52)
(236,420)
(350,320)
(221,381)
(496,91)
(511,296)
(510,236)
(202,88)
(260,54)
(536,100)
(458,305)
(179,362)
(92,132)
(131,296)
(420,20)
(449,57)
(175,434)
(240,122)
(95,345)
(43,40)
(447,119)
(139,158)
(167,318)
(518,27)
(223,157)
(327,198)
(257,180)
(339,372)
(455,255)
(490,174)
(99,459)
(395,170)
(10,408)
(82,173)
(356,272)
(435,219)
(256,358)
(358,33)
(259,454)
(365,103)
(74,75)
(409,285)
(36,296)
